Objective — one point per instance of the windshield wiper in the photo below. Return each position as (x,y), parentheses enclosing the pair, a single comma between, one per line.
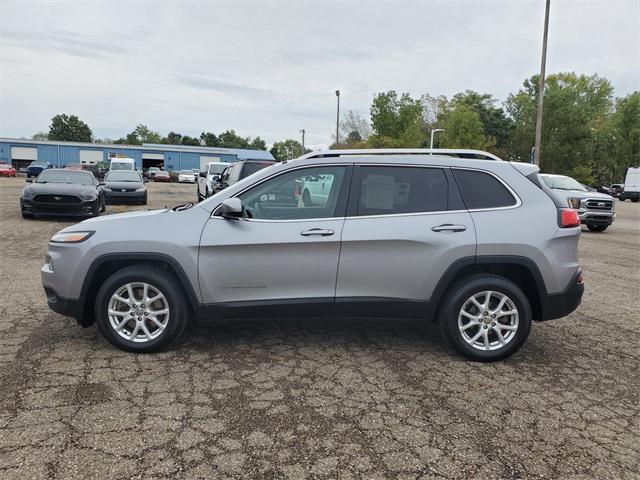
(185,206)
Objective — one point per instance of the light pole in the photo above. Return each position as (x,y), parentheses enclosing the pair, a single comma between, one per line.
(432,133)
(302,132)
(536,156)
(338,119)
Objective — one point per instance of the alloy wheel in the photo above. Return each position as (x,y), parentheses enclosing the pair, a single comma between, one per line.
(488,320)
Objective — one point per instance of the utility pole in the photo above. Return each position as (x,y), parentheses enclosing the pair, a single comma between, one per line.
(302,132)
(338,119)
(536,157)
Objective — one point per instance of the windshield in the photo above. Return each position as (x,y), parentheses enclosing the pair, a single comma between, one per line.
(154,169)
(66,176)
(216,169)
(561,182)
(186,172)
(251,168)
(5,167)
(121,166)
(122,176)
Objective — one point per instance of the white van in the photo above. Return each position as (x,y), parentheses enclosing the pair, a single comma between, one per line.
(631,189)
(122,163)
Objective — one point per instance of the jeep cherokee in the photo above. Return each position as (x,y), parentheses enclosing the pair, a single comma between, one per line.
(482,246)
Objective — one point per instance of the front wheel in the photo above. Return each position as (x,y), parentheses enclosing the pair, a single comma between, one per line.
(597,228)
(485,317)
(141,309)
(635,199)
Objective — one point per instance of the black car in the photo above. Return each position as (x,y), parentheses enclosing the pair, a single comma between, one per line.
(35,168)
(237,171)
(125,186)
(62,192)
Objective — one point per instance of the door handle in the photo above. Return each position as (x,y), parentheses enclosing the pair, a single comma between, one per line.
(447,227)
(317,231)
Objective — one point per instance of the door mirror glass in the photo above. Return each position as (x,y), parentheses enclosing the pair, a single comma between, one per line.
(231,208)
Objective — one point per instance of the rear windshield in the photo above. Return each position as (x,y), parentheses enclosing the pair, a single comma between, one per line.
(66,176)
(186,172)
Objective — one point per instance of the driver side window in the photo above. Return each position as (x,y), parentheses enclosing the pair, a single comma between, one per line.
(306,193)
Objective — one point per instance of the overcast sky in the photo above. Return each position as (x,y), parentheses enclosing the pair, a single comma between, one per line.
(271,68)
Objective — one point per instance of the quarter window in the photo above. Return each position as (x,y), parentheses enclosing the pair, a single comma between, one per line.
(394,190)
(482,190)
(301,194)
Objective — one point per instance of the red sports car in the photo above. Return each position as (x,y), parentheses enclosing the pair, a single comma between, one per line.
(7,170)
(162,176)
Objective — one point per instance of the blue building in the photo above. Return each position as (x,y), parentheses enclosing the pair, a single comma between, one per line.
(21,152)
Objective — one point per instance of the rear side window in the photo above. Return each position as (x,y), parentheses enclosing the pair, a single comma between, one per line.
(482,190)
(394,190)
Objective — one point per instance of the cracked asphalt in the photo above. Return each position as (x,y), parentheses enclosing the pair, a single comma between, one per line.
(307,399)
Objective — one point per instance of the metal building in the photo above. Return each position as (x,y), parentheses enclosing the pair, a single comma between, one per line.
(21,152)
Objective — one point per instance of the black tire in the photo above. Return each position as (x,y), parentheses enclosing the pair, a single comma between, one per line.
(164,282)
(458,295)
(306,199)
(103,208)
(27,215)
(635,200)
(597,228)
(199,197)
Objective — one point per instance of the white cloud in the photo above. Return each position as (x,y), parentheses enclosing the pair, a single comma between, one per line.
(271,69)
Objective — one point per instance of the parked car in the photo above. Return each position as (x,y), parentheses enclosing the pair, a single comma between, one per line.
(631,187)
(162,176)
(34,168)
(122,163)
(238,171)
(209,178)
(151,172)
(186,176)
(125,187)
(7,170)
(482,246)
(64,192)
(596,210)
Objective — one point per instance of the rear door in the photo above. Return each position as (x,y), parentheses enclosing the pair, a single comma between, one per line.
(282,257)
(406,226)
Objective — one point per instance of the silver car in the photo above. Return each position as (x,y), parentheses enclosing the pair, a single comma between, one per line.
(481,246)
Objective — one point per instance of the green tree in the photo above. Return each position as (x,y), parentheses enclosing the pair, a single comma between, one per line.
(141,134)
(286,149)
(626,121)
(40,136)
(69,128)
(583,174)
(257,144)
(463,129)
(209,139)
(392,116)
(230,139)
(173,138)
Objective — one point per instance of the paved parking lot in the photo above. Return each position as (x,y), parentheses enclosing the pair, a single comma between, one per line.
(307,399)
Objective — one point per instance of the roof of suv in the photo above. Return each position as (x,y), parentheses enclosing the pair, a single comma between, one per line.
(450,152)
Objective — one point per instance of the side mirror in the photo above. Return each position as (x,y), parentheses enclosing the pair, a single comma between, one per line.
(231,208)
(203,174)
(216,178)
(29,179)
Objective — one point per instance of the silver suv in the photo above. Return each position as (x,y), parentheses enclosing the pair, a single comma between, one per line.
(479,245)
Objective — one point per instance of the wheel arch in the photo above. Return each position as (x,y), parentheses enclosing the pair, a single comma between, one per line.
(105,265)
(520,270)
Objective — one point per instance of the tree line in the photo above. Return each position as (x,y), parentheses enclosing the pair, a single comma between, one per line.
(587,133)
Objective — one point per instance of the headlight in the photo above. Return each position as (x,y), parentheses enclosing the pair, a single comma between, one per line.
(71,237)
(106,189)
(574,202)
(141,189)
(90,196)
(25,193)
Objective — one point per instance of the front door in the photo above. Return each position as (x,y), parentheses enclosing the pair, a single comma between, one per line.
(407,225)
(281,258)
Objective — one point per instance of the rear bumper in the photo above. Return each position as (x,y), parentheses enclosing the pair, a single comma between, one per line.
(558,305)
(114,196)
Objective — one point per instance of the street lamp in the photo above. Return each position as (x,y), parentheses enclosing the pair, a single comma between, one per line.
(432,133)
(302,132)
(338,119)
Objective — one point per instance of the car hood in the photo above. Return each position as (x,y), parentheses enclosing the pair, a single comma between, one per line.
(120,185)
(61,188)
(127,215)
(564,194)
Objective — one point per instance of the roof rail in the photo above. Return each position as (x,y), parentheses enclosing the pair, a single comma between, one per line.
(453,152)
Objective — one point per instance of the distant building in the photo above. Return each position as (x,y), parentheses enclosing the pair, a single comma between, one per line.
(21,152)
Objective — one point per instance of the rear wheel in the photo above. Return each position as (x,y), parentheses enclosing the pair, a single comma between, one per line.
(485,317)
(141,309)
(635,199)
(597,228)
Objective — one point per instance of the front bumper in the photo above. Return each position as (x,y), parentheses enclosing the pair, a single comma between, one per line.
(115,196)
(186,180)
(558,305)
(596,218)
(63,306)
(82,209)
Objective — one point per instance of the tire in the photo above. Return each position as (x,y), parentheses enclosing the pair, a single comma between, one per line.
(306,199)
(458,297)
(103,208)
(597,228)
(635,199)
(158,281)
(26,215)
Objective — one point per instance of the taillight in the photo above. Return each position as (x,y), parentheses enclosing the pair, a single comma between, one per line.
(569,218)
